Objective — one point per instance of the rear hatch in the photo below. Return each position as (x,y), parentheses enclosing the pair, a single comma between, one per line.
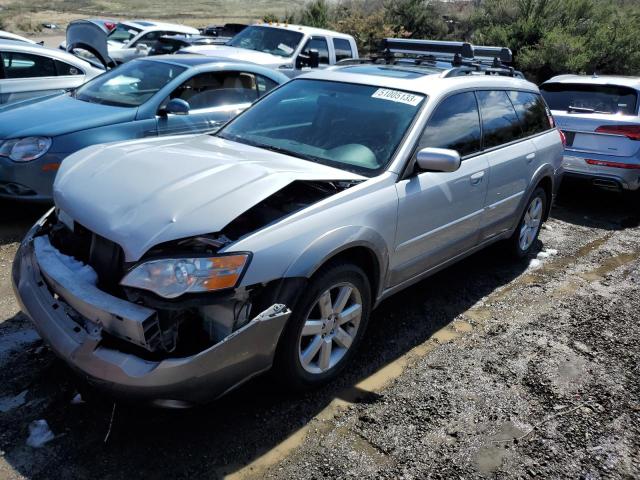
(595,118)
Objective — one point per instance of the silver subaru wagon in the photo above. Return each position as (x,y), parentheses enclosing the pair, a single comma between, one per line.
(172,270)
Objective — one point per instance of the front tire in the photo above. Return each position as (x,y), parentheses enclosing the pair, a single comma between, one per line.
(325,328)
(524,238)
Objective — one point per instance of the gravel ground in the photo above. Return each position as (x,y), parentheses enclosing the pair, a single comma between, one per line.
(488,369)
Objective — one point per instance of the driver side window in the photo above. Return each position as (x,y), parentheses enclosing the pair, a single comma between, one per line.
(455,125)
(148,39)
(319,44)
(217,89)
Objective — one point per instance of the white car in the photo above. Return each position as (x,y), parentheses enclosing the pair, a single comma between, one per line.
(134,39)
(600,118)
(28,70)
(285,47)
(12,36)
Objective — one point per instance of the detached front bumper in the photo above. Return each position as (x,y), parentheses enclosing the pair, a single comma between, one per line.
(172,382)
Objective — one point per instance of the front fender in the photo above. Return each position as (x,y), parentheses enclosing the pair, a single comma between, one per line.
(337,241)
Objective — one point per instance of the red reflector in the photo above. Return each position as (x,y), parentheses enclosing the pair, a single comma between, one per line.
(50,167)
(109,25)
(629,131)
(563,138)
(602,163)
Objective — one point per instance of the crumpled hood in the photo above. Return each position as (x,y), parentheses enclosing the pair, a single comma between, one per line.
(243,54)
(145,192)
(59,115)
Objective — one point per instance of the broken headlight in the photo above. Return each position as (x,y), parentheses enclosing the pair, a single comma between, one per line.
(25,149)
(172,277)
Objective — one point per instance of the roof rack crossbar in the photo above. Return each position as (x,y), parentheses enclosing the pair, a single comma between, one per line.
(445,49)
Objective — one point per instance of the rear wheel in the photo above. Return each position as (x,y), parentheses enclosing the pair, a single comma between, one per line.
(524,238)
(325,327)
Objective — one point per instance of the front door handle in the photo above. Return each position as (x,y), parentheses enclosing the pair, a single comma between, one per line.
(476,178)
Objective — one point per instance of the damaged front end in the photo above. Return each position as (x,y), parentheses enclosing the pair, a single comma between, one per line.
(132,342)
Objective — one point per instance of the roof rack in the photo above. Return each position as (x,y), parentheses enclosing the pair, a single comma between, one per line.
(465,58)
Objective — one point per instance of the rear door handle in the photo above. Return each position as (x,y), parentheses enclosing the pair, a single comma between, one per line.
(476,178)
(530,157)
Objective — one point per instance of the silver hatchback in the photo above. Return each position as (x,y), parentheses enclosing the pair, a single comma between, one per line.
(600,118)
(175,269)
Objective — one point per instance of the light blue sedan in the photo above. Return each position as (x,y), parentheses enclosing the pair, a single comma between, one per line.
(148,97)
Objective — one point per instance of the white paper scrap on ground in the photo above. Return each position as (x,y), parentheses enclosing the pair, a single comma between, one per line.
(39,433)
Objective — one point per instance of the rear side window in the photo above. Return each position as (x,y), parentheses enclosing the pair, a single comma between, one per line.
(342,48)
(455,125)
(25,65)
(500,123)
(532,112)
(319,44)
(590,98)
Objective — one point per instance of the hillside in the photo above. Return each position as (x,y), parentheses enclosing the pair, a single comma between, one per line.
(28,16)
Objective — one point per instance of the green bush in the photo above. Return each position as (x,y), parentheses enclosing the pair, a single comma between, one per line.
(547,37)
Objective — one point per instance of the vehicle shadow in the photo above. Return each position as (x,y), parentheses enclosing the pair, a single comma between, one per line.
(580,203)
(226,435)
(17,217)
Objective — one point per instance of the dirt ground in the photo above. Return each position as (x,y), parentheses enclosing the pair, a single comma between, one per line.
(488,369)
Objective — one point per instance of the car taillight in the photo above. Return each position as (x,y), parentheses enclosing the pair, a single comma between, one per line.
(109,25)
(563,137)
(629,131)
(602,163)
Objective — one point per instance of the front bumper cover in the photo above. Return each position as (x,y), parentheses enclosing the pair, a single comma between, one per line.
(195,379)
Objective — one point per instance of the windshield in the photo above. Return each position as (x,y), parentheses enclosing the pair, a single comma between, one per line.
(585,98)
(122,33)
(352,127)
(129,85)
(276,41)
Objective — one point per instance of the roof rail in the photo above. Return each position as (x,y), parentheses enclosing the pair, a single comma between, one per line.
(470,70)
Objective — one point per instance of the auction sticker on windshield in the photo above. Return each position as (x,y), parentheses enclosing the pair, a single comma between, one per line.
(397,96)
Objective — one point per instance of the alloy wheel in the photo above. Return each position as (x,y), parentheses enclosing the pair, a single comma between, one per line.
(330,328)
(530,224)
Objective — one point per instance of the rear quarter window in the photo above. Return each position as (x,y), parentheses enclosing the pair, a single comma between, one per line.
(532,112)
(597,98)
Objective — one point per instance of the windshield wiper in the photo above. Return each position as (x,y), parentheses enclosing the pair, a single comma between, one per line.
(571,108)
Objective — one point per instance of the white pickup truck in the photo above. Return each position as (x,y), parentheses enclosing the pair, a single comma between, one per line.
(288,48)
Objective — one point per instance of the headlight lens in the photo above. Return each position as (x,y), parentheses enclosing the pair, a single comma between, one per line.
(25,149)
(172,277)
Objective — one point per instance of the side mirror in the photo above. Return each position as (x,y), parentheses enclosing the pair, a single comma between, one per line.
(438,160)
(314,59)
(308,58)
(142,48)
(177,106)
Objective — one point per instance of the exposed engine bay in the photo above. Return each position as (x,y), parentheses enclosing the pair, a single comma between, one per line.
(195,321)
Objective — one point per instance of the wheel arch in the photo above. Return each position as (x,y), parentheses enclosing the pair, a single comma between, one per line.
(360,245)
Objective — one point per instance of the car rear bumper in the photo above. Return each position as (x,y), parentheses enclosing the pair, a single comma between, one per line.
(610,177)
(172,382)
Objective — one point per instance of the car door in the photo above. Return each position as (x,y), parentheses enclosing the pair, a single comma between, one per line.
(509,153)
(213,98)
(27,75)
(439,213)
